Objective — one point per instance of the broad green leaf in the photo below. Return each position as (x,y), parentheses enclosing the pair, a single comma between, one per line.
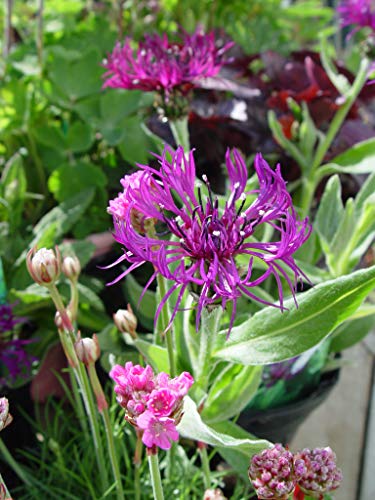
(78,78)
(155,355)
(144,310)
(271,336)
(359,159)
(193,427)
(13,189)
(231,392)
(329,213)
(69,180)
(83,249)
(50,136)
(88,298)
(136,144)
(59,220)
(80,137)
(236,459)
(117,104)
(350,332)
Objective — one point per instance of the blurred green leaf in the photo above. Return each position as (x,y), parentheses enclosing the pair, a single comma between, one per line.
(70,180)
(359,159)
(80,137)
(147,307)
(231,392)
(350,332)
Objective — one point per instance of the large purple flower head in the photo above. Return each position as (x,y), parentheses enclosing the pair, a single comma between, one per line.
(211,249)
(360,13)
(162,65)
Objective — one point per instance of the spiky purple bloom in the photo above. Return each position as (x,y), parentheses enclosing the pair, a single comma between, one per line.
(360,13)
(211,249)
(316,471)
(271,473)
(162,65)
(153,404)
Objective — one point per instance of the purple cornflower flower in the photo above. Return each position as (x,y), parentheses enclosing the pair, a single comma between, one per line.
(209,237)
(316,471)
(271,473)
(153,404)
(357,12)
(162,65)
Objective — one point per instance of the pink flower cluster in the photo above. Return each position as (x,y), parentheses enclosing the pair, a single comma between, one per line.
(276,472)
(152,403)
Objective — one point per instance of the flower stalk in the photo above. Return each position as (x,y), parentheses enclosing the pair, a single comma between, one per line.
(153,462)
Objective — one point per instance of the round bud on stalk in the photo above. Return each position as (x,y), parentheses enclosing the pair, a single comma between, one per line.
(215,494)
(44,265)
(71,267)
(271,473)
(316,471)
(87,350)
(60,323)
(5,417)
(126,321)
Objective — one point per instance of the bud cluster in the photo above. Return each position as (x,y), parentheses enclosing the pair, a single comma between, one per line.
(152,403)
(316,471)
(276,472)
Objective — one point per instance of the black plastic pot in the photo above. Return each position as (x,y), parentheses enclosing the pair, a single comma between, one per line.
(279,425)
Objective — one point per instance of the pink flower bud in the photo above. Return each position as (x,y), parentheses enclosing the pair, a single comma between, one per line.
(44,265)
(316,471)
(271,473)
(71,267)
(126,321)
(215,494)
(87,350)
(5,417)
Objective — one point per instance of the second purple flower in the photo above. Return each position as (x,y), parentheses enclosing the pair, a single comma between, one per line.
(203,243)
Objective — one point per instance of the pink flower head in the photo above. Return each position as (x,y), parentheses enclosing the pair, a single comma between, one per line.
(161,402)
(271,473)
(162,65)
(316,471)
(153,404)
(207,237)
(360,13)
(131,183)
(158,431)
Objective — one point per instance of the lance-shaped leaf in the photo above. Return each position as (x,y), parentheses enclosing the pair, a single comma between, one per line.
(193,427)
(271,336)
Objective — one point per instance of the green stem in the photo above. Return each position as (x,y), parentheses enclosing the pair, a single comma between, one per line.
(210,325)
(164,317)
(103,410)
(13,464)
(83,382)
(180,131)
(112,454)
(78,403)
(137,467)
(309,184)
(157,487)
(341,114)
(205,466)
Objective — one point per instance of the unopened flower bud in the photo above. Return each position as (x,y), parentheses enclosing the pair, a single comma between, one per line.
(44,265)
(66,323)
(126,321)
(5,417)
(271,473)
(215,494)
(71,267)
(87,350)
(316,471)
